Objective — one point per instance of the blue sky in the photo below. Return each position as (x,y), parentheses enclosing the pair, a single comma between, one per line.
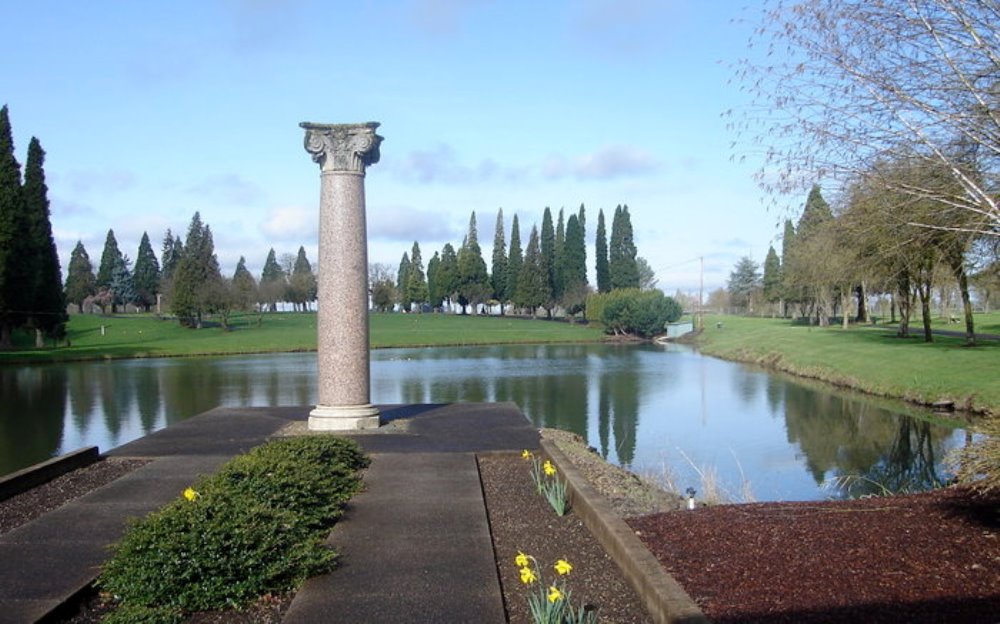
(150,111)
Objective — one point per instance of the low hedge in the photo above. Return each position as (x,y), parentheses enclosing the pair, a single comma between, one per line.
(255,527)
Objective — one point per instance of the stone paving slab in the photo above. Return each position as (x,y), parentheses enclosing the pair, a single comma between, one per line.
(415,547)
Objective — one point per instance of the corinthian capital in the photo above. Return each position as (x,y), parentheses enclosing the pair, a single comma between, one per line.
(347,148)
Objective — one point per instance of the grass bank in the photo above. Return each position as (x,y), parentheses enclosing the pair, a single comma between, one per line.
(134,336)
(871,360)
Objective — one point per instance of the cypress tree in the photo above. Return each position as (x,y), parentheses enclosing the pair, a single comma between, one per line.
(171,254)
(601,267)
(772,276)
(532,285)
(622,252)
(434,293)
(574,267)
(416,281)
(402,279)
(815,213)
(146,275)
(46,303)
(547,249)
(197,279)
(514,260)
(558,279)
(80,279)
(109,260)
(12,275)
(498,278)
(122,285)
(447,274)
(788,291)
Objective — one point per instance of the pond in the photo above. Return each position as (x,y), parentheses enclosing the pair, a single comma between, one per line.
(668,412)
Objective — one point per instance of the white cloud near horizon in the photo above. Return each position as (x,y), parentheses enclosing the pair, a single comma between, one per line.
(290,224)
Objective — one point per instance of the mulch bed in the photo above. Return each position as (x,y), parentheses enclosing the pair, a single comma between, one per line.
(521,520)
(932,557)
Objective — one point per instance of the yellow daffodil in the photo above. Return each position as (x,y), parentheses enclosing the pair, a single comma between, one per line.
(521,560)
(190,494)
(526,454)
(554,594)
(528,576)
(548,468)
(563,567)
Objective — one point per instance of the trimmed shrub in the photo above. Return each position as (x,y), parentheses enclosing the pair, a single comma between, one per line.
(633,311)
(254,527)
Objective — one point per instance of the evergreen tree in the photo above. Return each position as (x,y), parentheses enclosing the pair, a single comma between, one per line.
(547,247)
(743,282)
(772,276)
(171,254)
(601,267)
(244,287)
(473,278)
(815,213)
(122,286)
(146,276)
(514,260)
(80,279)
(622,252)
(302,285)
(46,303)
(434,293)
(573,267)
(558,284)
(109,260)
(498,279)
(402,279)
(272,282)
(416,281)
(13,276)
(532,284)
(198,284)
(787,244)
(447,274)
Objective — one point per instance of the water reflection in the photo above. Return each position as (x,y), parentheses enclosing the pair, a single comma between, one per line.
(668,410)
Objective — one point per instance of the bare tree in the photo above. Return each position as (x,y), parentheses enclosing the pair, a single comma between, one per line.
(841,86)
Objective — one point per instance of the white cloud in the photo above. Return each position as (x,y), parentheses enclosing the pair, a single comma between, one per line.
(608,162)
(104,181)
(229,188)
(441,164)
(442,17)
(290,224)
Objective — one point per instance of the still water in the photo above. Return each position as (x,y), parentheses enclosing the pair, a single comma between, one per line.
(666,411)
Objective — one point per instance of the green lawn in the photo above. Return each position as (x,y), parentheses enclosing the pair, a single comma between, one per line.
(144,335)
(872,360)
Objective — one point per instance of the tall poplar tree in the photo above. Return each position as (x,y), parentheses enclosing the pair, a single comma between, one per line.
(573,267)
(12,268)
(146,275)
(80,279)
(557,258)
(771,284)
(602,270)
(514,260)
(447,274)
(498,277)
(46,303)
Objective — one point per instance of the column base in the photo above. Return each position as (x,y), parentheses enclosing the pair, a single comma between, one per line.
(343,417)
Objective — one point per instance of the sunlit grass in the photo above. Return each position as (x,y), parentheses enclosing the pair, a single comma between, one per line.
(873,360)
(143,335)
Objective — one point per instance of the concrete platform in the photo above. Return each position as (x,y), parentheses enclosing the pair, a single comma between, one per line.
(420,530)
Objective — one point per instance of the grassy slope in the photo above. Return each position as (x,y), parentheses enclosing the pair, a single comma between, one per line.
(871,360)
(146,336)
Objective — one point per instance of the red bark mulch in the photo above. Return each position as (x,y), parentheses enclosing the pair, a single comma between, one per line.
(932,557)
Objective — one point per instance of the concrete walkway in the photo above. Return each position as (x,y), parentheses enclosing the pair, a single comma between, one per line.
(415,545)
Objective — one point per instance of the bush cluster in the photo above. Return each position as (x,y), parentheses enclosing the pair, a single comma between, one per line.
(633,311)
(255,527)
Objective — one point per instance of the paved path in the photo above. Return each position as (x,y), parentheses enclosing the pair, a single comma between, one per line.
(415,546)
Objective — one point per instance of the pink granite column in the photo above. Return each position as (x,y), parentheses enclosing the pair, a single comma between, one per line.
(343,151)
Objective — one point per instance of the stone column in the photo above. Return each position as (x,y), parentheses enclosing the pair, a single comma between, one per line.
(342,152)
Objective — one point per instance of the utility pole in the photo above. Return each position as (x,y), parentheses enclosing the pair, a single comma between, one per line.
(701,292)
